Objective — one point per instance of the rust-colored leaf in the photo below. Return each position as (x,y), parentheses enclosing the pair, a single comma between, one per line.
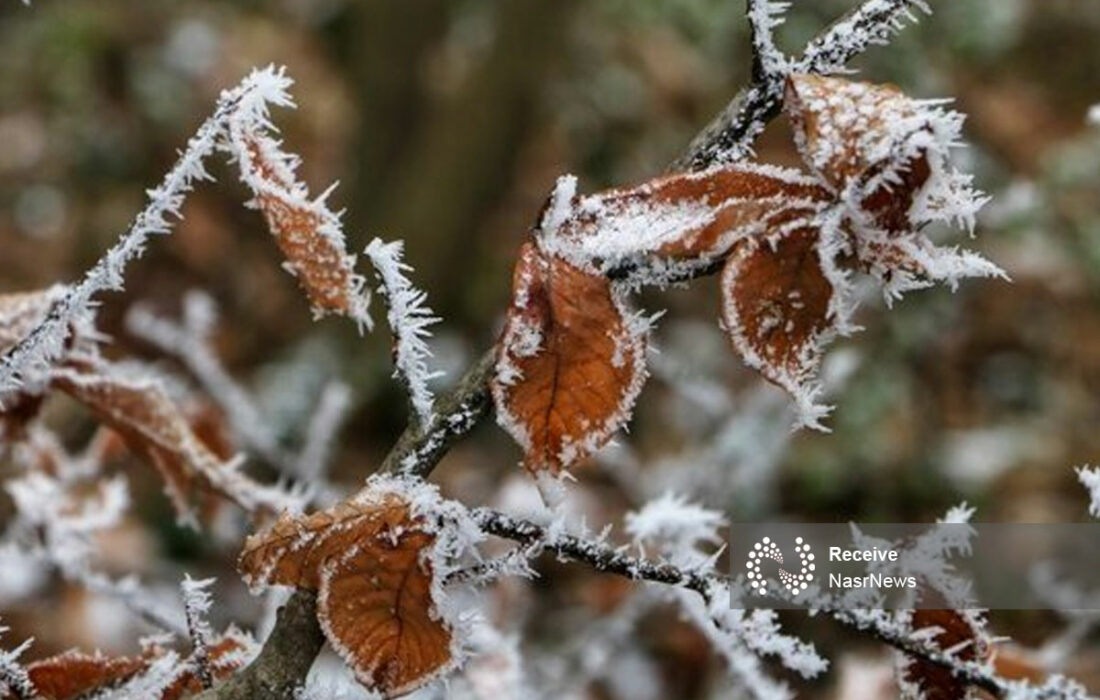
(690,215)
(850,131)
(778,307)
(368,560)
(21,312)
(74,674)
(570,362)
(960,634)
(153,426)
(306,231)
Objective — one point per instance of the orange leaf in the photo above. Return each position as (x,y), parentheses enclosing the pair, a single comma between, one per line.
(306,231)
(845,128)
(140,410)
(961,634)
(670,227)
(780,308)
(570,362)
(74,674)
(883,151)
(369,559)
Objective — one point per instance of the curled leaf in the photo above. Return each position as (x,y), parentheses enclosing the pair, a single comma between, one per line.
(781,305)
(141,411)
(570,362)
(371,561)
(668,227)
(307,232)
(883,151)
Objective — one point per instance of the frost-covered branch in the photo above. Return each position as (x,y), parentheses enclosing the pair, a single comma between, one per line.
(196,605)
(189,341)
(409,320)
(33,355)
(13,677)
(729,136)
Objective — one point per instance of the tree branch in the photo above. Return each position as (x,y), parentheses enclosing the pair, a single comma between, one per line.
(285,659)
(420,448)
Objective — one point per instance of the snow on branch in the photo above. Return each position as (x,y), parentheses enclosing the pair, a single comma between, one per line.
(1090,479)
(196,605)
(33,355)
(308,233)
(873,23)
(409,319)
(13,677)
(729,137)
(764,17)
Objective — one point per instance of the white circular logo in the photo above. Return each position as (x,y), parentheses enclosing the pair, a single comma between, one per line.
(766,549)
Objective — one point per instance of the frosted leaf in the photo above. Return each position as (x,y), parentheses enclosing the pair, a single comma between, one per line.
(75,674)
(378,562)
(141,410)
(671,227)
(570,361)
(409,319)
(308,233)
(783,301)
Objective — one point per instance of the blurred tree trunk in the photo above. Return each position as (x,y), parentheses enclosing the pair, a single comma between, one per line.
(434,187)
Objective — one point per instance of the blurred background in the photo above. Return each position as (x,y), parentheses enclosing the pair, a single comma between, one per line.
(446,123)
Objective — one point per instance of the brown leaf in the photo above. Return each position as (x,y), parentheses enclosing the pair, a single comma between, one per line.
(368,560)
(73,674)
(778,308)
(928,681)
(696,214)
(153,426)
(570,362)
(21,312)
(855,132)
(306,231)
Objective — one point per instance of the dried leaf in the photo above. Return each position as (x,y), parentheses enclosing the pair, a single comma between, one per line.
(668,227)
(961,635)
(74,674)
(150,422)
(369,560)
(780,308)
(306,231)
(570,363)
